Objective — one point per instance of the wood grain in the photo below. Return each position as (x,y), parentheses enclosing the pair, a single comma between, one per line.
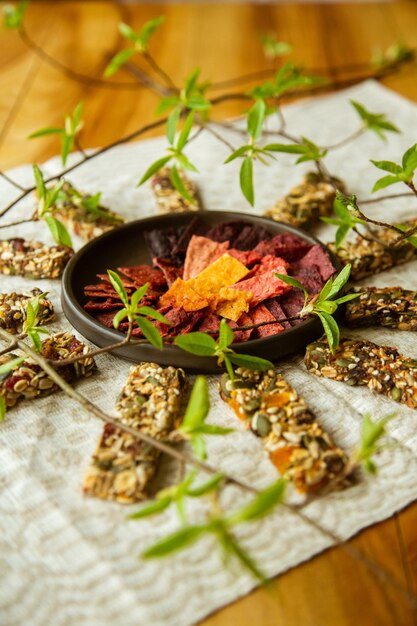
(333,589)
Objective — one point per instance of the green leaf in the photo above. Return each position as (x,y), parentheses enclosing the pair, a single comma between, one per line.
(237,153)
(120,315)
(149,331)
(157,506)
(290,280)
(150,312)
(377,122)
(58,231)
(67,145)
(328,306)
(226,335)
(212,429)
(250,362)
(166,104)
(179,185)
(137,296)
(13,16)
(155,167)
(46,131)
(186,129)
(200,344)
(175,542)
(284,147)
(338,282)
(191,81)
(76,117)
(273,48)
(331,330)
(210,485)
(148,30)
(186,164)
(198,406)
(261,505)
(246,180)
(118,60)
(172,124)
(40,185)
(255,119)
(127,32)
(198,445)
(3,408)
(341,234)
(404,229)
(36,340)
(31,313)
(387,166)
(119,287)
(409,161)
(231,546)
(385,181)
(347,298)
(9,366)
(371,434)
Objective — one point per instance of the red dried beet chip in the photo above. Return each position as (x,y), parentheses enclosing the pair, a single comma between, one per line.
(319,257)
(261,314)
(169,268)
(210,323)
(288,246)
(247,257)
(265,285)
(275,308)
(292,304)
(310,278)
(141,274)
(201,253)
(107,305)
(126,283)
(106,319)
(250,236)
(241,335)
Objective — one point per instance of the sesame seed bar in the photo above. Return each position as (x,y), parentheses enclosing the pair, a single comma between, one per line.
(359,362)
(13,307)
(297,444)
(393,307)
(83,222)
(169,200)
(20,257)
(28,380)
(306,202)
(370,257)
(151,401)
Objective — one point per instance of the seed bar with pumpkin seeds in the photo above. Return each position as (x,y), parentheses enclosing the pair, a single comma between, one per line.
(393,307)
(21,257)
(28,380)
(368,257)
(306,202)
(151,401)
(84,222)
(359,362)
(297,444)
(170,200)
(13,307)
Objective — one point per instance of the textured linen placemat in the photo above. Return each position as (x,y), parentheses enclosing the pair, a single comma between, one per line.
(70,560)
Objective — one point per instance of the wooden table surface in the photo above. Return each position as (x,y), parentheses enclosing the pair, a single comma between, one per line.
(333,589)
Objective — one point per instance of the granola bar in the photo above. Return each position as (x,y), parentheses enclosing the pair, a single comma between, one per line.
(13,307)
(82,217)
(393,307)
(151,401)
(369,257)
(359,362)
(33,259)
(169,200)
(297,444)
(28,380)
(306,202)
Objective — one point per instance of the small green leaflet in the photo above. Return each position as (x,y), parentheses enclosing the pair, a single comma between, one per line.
(197,408)
(118,286)
(154,168)
(246,180)
(200,344)
(255,119)
(226,335)
(250,362)
(13,16)
(175,542)
(289,280)
(377,122)
(149,331)
(9,366)
(261,505)
(371,434)
(3,408)
(331,329)
(206,487)
(273,48)
(58,231)
(117,61)
(157,506)
(178,183)
(412,239)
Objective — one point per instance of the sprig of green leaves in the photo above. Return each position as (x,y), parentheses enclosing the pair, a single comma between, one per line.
(68,134)
(135,312)
(403,173)
(203,344)
(398,52)
(370,443)
(324,305)
(273,48)
(13,15)
(288,78)
(376,122)
(47,198)
(140,41)
(30,325)
(347,211)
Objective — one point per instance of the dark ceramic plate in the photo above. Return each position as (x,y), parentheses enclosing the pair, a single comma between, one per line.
(126,246)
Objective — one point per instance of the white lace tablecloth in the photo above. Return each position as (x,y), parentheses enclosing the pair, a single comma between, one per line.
(69,560)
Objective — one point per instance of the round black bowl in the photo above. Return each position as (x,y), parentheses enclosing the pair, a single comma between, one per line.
(126,245)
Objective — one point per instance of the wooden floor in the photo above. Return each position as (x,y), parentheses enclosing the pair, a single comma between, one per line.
(333,589)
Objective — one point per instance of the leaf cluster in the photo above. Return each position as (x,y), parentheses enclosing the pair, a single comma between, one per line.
(134,312)
(203,344)
(348,212)
(140,41)
(68,134)
(396,53)
(376,122)
(288,78)
(324,304)
(30,326)
(372,432)
(191,97)
(273,48)
(47,198)
(403,173)
(13,15)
